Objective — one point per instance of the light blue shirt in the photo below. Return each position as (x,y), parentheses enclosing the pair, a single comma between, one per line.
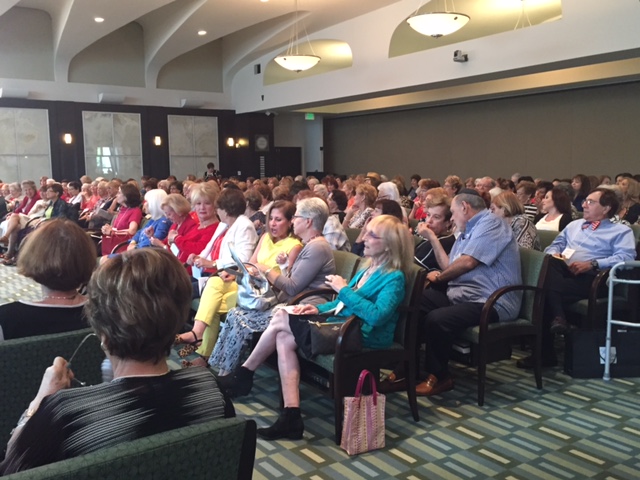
(490,241)
(609,244)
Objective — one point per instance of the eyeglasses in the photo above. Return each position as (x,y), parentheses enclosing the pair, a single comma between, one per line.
(589,201)
(300,216)
(372,235)
(73,355)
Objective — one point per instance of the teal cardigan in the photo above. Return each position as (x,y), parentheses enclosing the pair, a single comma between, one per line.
(376,303)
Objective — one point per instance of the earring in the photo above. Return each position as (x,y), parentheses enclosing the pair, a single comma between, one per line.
(103,346)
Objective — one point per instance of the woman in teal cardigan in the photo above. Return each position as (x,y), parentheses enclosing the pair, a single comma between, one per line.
(373,295)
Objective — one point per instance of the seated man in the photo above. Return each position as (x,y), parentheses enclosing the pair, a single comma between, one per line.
(580,250)
(484,258)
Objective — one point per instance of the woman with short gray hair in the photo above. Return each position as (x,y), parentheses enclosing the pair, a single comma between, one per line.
(308,272)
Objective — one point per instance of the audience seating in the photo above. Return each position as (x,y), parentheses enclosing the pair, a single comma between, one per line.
(337,374)
(24,360)
(220,449)
(546,237)
(529,321)
(352,234)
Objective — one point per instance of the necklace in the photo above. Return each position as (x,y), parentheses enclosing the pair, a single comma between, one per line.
(312,239)
(54,297)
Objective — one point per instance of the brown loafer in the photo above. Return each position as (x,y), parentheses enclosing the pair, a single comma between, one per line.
(431,386)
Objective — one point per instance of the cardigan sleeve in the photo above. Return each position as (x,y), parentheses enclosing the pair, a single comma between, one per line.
(378,310)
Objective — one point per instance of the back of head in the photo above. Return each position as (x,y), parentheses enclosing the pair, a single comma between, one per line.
(390,207)
(231,200)
(388,190)
(315,209)
(340,198)
(131,195)
(138,301)
(509,202)
(58,255)
(154,199)
(472,198)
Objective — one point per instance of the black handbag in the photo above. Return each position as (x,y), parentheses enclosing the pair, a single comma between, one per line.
(315,336)
(584,353)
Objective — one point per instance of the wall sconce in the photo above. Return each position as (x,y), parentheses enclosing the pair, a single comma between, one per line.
(231,142)
(67,138)
(157,140)
(242,142)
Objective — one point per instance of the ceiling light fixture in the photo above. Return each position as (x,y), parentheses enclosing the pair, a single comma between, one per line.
(202,32)
(439,23)
(294,60)
(98,19)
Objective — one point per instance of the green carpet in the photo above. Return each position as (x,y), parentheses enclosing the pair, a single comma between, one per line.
(571,429)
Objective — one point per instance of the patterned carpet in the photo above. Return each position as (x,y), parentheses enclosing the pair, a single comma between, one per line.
(572,429)
(15,287)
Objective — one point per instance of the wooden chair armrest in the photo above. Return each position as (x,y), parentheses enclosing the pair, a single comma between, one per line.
(347,328)
(492,300)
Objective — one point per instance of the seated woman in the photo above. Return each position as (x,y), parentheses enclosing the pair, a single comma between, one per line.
(60,257)
(381,207)
(126,222)
(277,249)
(186,236)
(373,295)
(16,221)
(362,207)
(137,303)
(55,208)
(308,271)
(230,206)
(630,205)
(507,206)
(555,211)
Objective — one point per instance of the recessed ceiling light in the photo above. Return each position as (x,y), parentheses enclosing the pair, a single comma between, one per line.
(99,19)
(264,1)
(202,32)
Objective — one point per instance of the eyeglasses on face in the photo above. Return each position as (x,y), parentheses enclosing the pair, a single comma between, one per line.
(589,201)
(370,234)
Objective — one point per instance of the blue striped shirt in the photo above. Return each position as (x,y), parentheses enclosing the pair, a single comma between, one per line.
(490,241)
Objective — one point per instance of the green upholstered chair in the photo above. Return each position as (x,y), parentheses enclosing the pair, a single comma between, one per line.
(352,234)
(337,374)
(347,263)
(546,237)
(220,449)
(529,321)
(24,360)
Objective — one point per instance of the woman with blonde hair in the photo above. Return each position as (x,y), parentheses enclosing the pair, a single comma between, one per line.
(373,295)
(507,206)
(630,205)
(358,214)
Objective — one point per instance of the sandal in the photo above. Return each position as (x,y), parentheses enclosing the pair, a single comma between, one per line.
(9,262)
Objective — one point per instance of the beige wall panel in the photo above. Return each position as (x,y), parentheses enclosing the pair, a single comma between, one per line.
(26,53)
(116,59)
(198,70)
(593,131)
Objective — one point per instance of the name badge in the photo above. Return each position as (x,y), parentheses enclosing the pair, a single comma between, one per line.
(568,253)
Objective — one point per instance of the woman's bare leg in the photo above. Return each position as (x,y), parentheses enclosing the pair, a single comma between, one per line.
(267,343)
(289,368)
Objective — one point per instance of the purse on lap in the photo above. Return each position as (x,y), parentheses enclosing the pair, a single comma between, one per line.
(254,291)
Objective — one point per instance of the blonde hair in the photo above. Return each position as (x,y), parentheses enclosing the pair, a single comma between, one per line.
(398,241)
(509,202)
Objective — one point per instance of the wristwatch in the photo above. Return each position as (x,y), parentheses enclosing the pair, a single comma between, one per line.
(594,264)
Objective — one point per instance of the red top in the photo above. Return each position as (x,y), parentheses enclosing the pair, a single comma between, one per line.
(27,204)
(192,239)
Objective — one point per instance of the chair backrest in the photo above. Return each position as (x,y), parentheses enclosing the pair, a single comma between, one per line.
(219,449)
(546,237)
(24,360)
(346,264)
(534,270)
(414,285)
(352,234)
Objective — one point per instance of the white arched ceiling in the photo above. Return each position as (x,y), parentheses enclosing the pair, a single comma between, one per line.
(170,26)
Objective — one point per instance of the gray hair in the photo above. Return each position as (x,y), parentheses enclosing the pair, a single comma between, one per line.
(314,209)
(475,201)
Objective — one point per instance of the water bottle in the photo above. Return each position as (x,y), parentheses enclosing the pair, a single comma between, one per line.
(107,370)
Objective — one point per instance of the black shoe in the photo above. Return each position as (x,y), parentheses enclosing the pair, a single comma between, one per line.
(289,425)
(559,326)
(527,362)
(238,383)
